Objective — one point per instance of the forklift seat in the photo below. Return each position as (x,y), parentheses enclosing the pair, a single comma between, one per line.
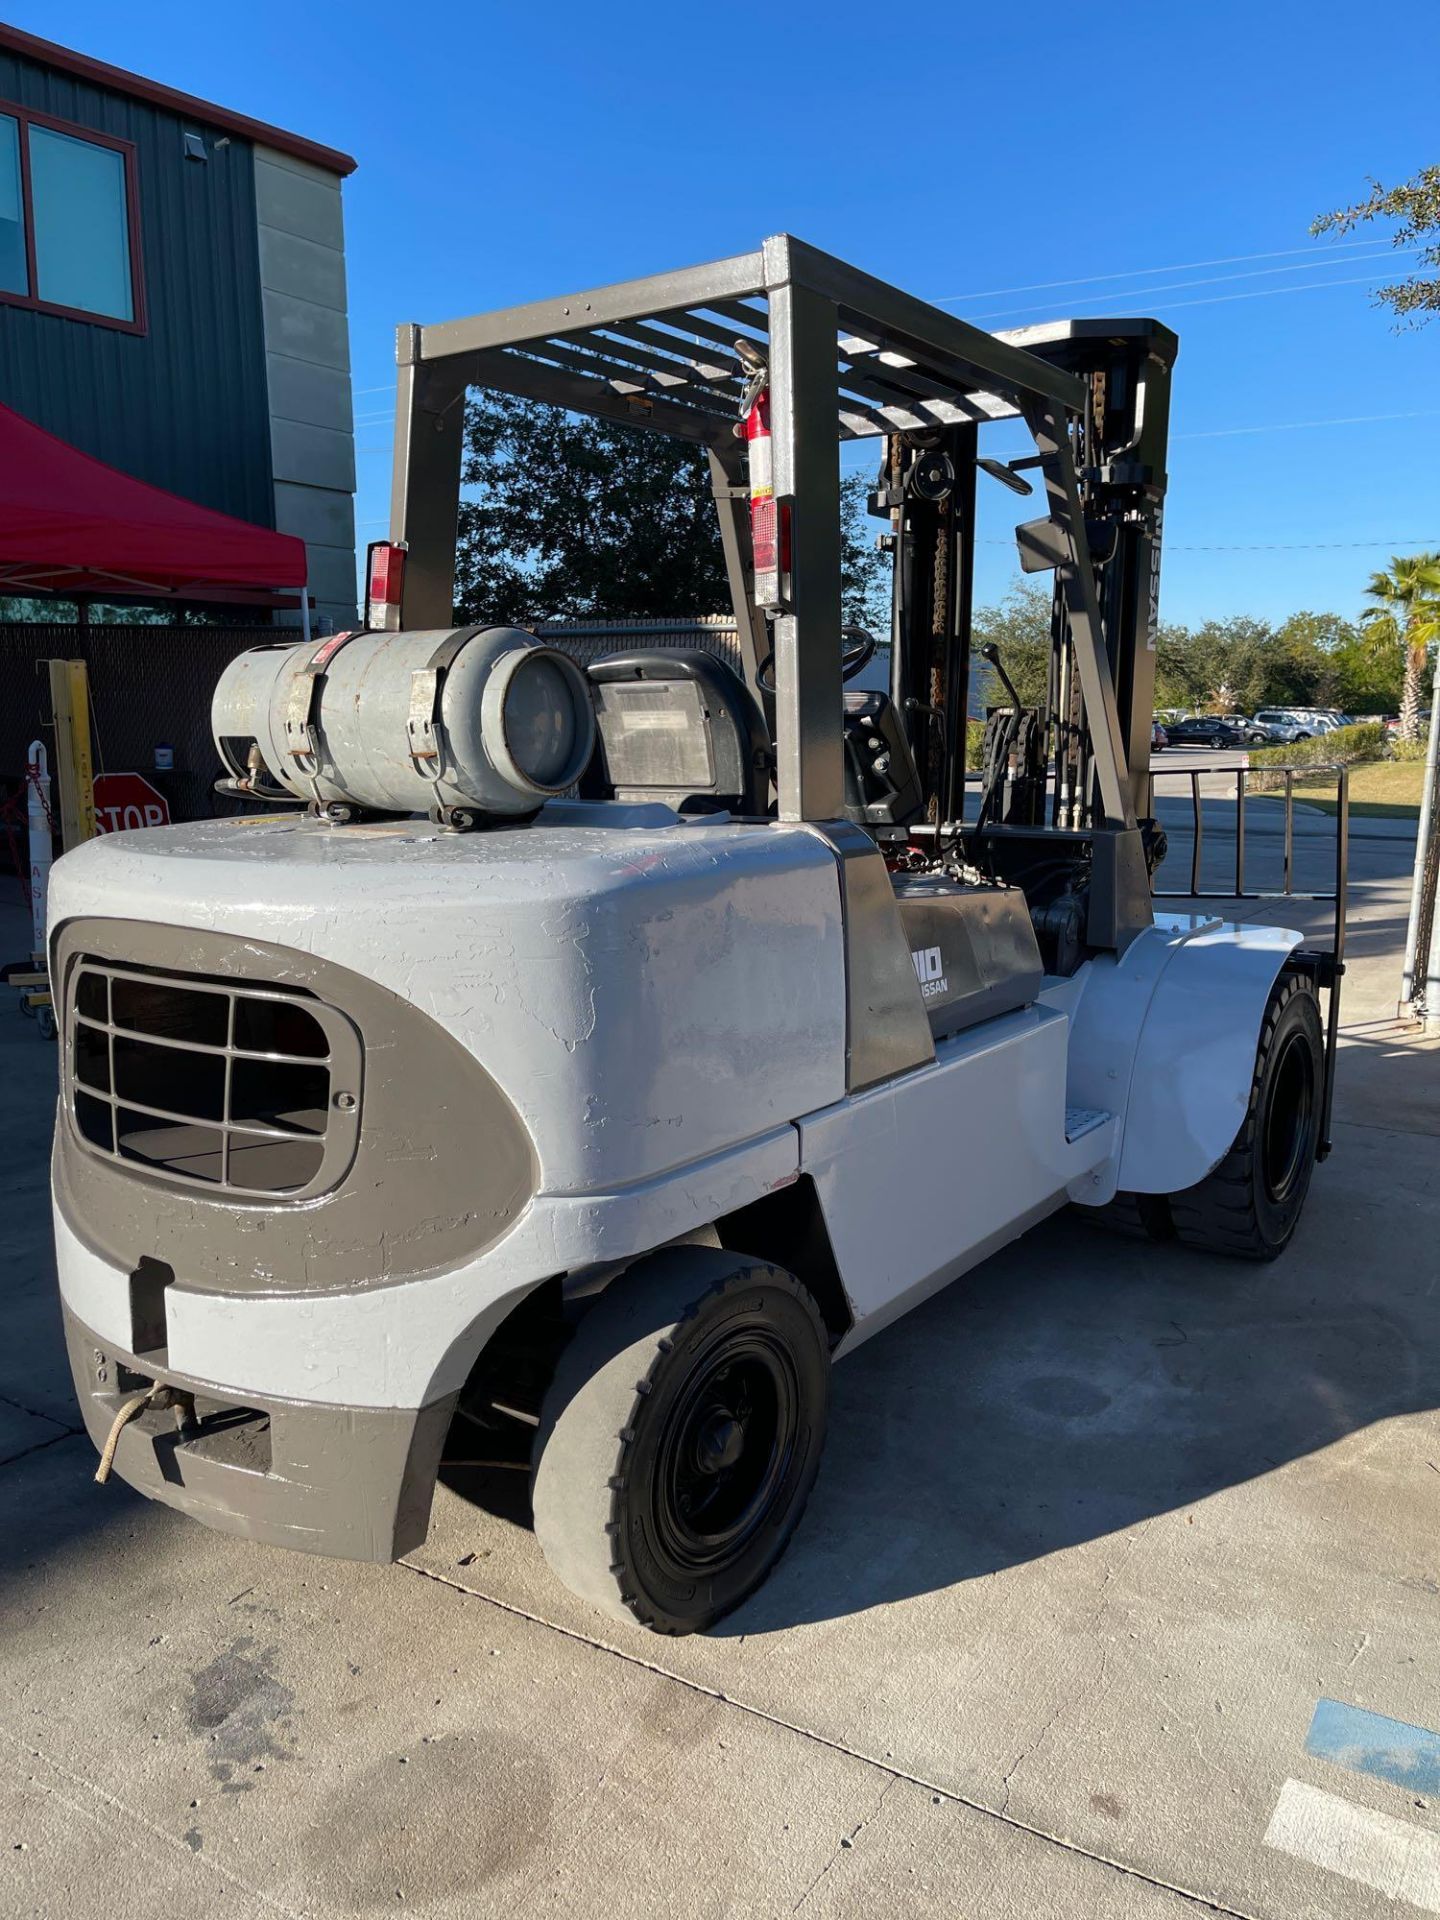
(679,726)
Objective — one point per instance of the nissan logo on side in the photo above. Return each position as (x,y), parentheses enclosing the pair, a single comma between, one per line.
(930,972)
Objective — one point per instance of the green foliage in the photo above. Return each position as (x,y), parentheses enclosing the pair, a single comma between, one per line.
(1415,208)
(1402,625)
(574,518)
(864,572)
(1239,664)
(1346,746)
(1020,627)
(1234,665)
(1407,749)
(1218,667)
(48,610)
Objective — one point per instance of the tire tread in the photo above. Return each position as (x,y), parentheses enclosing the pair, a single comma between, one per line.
(593,1396)
(1219,1212)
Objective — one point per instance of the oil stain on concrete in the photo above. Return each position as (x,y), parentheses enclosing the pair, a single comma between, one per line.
(241,1708)
(440,1822)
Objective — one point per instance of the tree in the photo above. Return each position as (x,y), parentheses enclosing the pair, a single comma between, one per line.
(1416,207)
(1306,661)
(576,518)
(1217,667)
(1366,682)
(1020,628)
(1406,618)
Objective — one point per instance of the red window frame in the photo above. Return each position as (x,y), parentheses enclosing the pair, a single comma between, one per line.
(27,118)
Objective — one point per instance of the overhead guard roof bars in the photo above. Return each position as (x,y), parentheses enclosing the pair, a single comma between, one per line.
(669,339)
(849,356)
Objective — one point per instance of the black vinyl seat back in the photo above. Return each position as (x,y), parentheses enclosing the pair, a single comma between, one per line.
(678,725)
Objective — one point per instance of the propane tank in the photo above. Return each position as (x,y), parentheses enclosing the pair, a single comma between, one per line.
(474,720)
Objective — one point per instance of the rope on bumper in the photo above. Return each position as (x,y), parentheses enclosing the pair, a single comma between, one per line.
(125,1414)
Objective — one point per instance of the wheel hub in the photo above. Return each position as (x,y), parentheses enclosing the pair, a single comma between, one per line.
(727,1447)
(719,1442)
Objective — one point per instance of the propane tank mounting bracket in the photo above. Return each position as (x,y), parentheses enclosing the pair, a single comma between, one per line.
(303,701)
(423,728)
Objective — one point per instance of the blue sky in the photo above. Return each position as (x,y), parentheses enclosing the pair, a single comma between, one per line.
(510,152)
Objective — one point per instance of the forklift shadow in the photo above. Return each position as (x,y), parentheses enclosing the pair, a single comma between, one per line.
(1080,1383)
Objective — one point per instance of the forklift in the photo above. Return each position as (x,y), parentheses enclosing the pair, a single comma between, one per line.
(595,1056)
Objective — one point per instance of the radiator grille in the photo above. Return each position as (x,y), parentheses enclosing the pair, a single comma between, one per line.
(235,1087)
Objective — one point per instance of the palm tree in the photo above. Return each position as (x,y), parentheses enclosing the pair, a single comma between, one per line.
(1406,613)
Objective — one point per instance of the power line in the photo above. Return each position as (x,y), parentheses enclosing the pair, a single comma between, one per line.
(1294,426)
(1395,543)
(1306,546)
(1179,286)
(1136,273)
(1266,293)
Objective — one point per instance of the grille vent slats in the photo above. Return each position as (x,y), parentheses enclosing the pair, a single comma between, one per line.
(229,1087)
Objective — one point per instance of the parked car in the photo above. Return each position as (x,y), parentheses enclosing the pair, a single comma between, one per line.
(1205,731)
(1282,727)
(1254,735)
(1159,738)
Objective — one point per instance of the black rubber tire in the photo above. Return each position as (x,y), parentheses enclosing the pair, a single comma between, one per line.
(1249,1205)
(625,1405)
(1138,1216)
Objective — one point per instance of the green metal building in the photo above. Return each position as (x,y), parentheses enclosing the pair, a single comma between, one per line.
(172,297)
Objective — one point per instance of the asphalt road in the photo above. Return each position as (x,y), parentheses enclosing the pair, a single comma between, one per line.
(1099,1532)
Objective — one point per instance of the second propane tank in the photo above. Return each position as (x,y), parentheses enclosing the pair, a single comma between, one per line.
(470,720)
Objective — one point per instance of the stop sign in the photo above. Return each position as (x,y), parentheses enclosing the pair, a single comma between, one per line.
(125,800)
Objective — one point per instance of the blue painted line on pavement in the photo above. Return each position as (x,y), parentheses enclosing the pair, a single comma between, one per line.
(1364,1742)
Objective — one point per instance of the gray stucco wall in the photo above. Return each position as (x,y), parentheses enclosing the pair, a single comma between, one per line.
(307,360)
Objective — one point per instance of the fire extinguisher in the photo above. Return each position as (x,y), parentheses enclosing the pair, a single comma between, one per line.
(767,529)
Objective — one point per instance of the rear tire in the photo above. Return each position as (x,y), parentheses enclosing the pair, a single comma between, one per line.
(1249,1205)
(681,1436)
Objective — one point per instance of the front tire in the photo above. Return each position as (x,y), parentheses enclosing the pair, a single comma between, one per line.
(1249,1205)
(681,1436)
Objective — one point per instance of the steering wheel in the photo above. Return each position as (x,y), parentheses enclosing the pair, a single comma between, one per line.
(859,653)
(856,655)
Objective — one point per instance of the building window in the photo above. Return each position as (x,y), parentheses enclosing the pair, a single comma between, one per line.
(68,241)
(13,274)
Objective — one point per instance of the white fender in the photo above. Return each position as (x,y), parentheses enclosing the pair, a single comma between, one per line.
(1196,1058)
(1166,1036)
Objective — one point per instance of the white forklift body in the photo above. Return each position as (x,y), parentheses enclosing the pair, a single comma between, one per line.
(618,1117)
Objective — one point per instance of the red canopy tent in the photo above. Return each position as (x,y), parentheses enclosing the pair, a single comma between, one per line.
(73,526)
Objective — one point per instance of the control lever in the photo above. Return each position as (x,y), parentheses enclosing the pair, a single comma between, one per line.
(998,759)
(990,654)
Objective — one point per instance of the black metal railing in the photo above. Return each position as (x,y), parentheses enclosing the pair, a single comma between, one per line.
(1327,968)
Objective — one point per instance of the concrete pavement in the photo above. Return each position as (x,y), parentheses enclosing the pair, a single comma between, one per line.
(1097,1529)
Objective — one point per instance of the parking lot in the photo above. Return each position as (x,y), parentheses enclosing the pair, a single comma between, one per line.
(1099,1531)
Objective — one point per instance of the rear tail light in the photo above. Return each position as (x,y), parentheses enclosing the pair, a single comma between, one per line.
(384,584)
